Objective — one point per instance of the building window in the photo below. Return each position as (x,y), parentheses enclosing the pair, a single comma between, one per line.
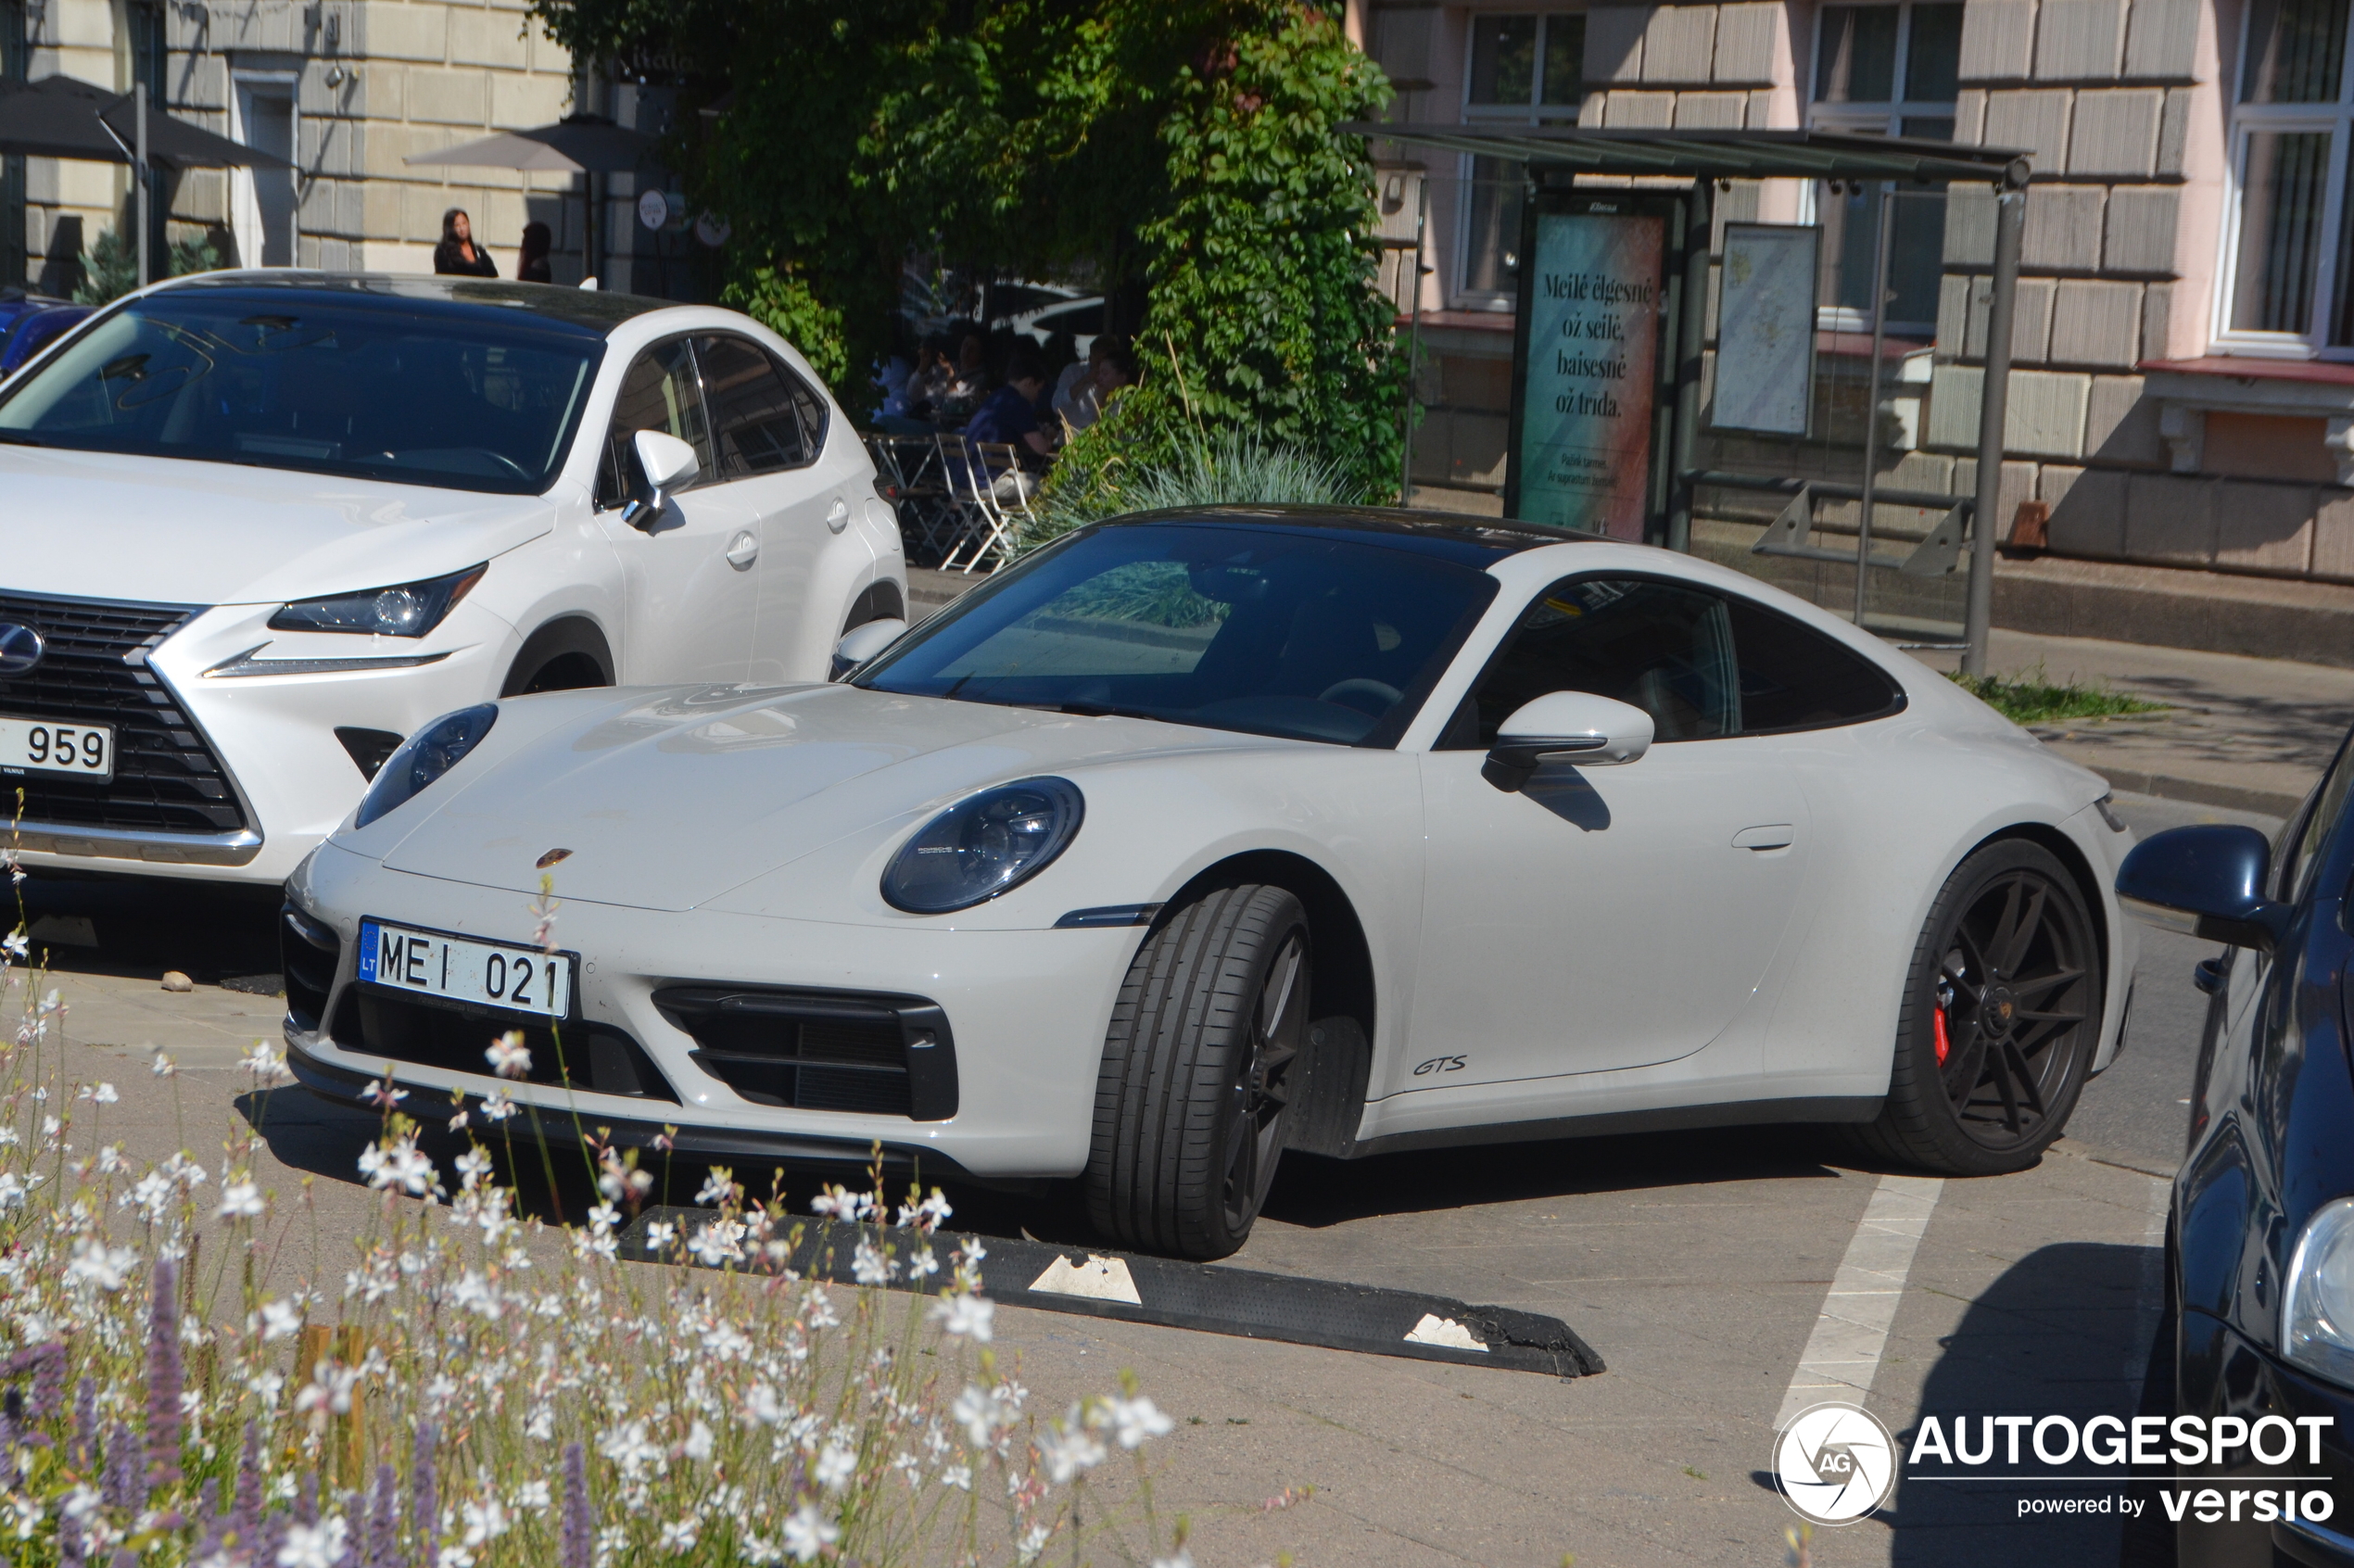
(1526,70)
(2291,288)
(1883,71)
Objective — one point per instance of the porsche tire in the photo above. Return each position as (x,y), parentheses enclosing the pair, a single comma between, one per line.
(2001,1016)
(1192,1101)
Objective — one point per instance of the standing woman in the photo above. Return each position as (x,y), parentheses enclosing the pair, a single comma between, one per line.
(532,265)
(457,252)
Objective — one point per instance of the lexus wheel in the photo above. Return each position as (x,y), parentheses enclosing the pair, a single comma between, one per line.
(1192,1103)
(2001,1016)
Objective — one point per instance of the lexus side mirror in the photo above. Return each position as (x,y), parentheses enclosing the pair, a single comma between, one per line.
(1572,727)
(2204,882)
(861,643)
(668,464)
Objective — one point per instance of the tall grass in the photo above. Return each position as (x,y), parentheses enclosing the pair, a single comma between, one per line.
(1203,469)
(192,1372)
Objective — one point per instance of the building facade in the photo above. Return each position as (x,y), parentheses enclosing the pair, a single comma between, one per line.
(2184,346)
(347,90)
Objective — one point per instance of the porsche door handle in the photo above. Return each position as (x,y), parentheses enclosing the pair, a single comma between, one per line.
(743,550)
(1773,836)
(837,516)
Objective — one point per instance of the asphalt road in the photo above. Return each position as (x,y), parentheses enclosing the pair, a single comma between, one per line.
(2141,1107)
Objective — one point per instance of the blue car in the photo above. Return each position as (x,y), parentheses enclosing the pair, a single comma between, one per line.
(36,329)
(2260,1241)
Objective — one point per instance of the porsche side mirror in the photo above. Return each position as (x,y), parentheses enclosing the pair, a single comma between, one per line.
(1572,727)
(861,643)
(670,465)
(2206,881)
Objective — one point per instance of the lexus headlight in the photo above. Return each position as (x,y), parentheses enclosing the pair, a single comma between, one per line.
(404,610)
(984,846)
(2317,1308)
(423,757)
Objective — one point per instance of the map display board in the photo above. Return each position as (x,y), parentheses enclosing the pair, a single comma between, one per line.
(1766,329)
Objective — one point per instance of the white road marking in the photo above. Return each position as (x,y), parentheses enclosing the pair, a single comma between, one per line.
(1436,1329)
(1843,1354)
(1099,1279)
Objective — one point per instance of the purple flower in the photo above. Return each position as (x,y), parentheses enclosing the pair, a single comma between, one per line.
(424,1503)
(120,1487)
(85,1424)
(216,1523)
(306,1500)
(273,1536)
(48,1379)
(245,1513)
(8,1444)
(72,1551)
(164,1378)
(383,1523)
(122,1559)
(576,1541)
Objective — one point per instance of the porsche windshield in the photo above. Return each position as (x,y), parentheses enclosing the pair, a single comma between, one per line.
(473,399)
(1310,633)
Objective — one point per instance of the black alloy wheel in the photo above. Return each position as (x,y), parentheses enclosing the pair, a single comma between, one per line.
(2001,1016)
(1193,1101)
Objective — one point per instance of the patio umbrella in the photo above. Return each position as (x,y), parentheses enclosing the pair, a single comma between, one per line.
(59,117)
(578,144)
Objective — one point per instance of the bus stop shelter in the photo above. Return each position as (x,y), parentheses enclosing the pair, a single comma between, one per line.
(1612,327)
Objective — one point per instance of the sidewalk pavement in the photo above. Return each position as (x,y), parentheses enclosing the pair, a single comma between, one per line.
(2246,734)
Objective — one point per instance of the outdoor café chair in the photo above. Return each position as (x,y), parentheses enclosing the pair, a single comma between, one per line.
(973,511)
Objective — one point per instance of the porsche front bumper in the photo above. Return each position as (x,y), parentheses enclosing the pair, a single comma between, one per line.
(1025,1010)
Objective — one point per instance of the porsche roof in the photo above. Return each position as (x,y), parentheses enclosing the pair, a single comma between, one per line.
(591,310)
(1473,541)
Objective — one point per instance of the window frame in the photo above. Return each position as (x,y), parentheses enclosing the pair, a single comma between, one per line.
(708,455)
(1536,112)
(1878,117)
(2335,120)
(798,394)
(1450,739)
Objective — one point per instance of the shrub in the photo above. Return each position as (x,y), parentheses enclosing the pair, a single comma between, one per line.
(1197,469)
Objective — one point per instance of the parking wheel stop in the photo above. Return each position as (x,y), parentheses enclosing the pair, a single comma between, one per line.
(1208,1297)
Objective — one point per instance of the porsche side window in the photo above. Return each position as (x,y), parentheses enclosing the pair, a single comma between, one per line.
(2314,829)
(1667,650)
(757,421)
(1794,678)
(659,393)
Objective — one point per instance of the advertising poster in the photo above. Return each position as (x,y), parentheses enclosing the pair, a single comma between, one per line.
(1593,365)
(1766,329)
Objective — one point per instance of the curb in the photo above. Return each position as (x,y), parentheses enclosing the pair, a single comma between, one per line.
(2198,792)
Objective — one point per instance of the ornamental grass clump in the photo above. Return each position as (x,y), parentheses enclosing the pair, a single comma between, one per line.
(461,1387)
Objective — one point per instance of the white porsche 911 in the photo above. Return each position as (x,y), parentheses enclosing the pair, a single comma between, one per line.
(1195,838)
(256,527)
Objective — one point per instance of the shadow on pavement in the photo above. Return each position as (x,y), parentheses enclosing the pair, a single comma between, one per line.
(140,927)
(2065,1331)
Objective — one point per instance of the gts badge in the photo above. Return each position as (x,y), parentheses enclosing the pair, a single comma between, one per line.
(1439,1064)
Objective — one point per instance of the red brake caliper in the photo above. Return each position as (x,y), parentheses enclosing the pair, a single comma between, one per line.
(1938,1027)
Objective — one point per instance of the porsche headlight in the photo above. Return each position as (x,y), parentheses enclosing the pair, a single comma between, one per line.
(404,610)
(2317,1308)
(985,845)
(423,757)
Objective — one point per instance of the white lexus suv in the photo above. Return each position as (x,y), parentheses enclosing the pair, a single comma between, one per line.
(256,527)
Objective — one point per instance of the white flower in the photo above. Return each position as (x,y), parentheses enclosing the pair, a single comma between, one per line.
(1070,1449)
(94,1262)
(1182,1559)
(808,1533)
(241,1200)
(473,1165)
(266,1387)
(399,1164)
(678,1536)
(630,1448)
(1133,1421)
(660,1234)
(314,1546)
(497,1107)
(922,1264)
(958,1475)
(533,1497)
(966,1315)
(982,1412)
(718,1187)
(835,1467)
(266,1064)
(840,1203)
(110,1159)
(163,1066)
(15,945)
(698,1444)
(279,1319)
(717,1243)
(485,1521)
(507,1055)
(329,1390)
(453,1557)
(105,1095)
(869,1265)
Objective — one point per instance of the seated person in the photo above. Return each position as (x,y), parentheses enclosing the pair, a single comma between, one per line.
(1010,414)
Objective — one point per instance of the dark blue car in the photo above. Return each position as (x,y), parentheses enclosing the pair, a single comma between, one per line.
(2261,1246)
(36,329)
